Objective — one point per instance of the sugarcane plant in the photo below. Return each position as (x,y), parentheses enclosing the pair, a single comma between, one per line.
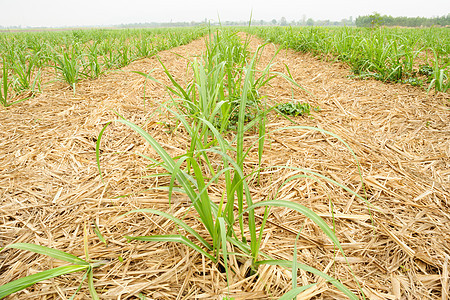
(232,221)
(4,85)
(76,265)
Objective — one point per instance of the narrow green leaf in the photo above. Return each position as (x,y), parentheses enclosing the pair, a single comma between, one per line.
(176,221)
(57,254)
(333,281)
(306,212)
(22,283)
(99,234)
(91,287)
(97,149)
(147,75)
(79,286)
(175,238)
(295,291)
(223,238)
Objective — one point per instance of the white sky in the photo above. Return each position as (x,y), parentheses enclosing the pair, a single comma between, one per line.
(53,13)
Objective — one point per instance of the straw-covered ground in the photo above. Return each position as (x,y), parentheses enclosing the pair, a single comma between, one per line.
(398,247)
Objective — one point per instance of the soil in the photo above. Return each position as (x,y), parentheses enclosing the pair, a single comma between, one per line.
(398,247)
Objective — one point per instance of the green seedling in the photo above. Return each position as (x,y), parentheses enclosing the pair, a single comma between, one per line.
(76,265)
(4,85)
(386,54)
(232,220)
(70,67)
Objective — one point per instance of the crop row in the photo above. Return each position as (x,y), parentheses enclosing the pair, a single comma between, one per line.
(75,55)
(415,56)
(222,98)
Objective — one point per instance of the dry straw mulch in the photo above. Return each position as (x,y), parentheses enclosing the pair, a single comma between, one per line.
(398,248)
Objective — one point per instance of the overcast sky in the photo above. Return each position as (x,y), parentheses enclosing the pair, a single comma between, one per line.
(54,13)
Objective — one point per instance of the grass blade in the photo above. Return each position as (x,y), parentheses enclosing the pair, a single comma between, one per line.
(306,212)
(4,85)
(295,291)
(176,221)
(223,238)
(99,234)
(91,287)
(57,254)
(22,283)
(97,149)
(79,287)
(175,238)
(333,281)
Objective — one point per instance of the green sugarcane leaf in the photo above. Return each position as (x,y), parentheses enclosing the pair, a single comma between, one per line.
(58,254)
(176,221)
(176,238)
(99,234)
(91,287)
(22,283)
(333,281)
(295,291)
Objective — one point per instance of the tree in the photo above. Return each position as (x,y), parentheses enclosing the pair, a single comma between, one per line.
(376,20)
(283,21)
(310,22)
(274,22)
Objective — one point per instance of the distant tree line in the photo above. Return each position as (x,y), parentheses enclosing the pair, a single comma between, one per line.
(306,22)
(376,19)
(373,20)
(274,22)
(160,24)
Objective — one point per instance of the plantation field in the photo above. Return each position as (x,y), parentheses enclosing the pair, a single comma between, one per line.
(419,57)
(145,171)
(29,60)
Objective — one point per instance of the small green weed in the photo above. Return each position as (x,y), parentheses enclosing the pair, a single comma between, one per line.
(77,265)
(413,81)
(426,70)
(294,109)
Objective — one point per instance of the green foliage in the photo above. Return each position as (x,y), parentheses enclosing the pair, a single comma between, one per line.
(223,95)
(4,85)
(294,109)
(439,80)
(426,70)
(93,67)
(77,265)
(375,20)
(414,81)
(78,54)
(70,66)
(221,73)
(219,219)
(24,69)
(386,54)
(197,107)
